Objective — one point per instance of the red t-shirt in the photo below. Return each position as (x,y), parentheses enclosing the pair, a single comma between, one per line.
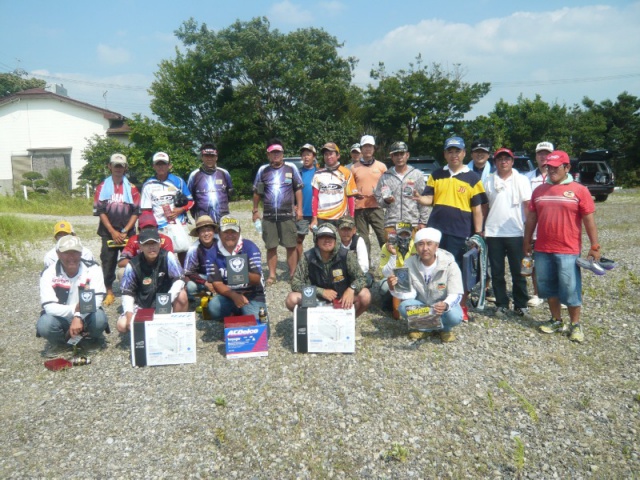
(132,248)
(560,209)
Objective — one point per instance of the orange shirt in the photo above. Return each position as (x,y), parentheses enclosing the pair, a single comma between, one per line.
(366,177)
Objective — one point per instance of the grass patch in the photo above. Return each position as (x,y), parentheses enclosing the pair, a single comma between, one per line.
(220,401)
(50,204)
(16,231)
(528,407)
(518,454)
(397,453)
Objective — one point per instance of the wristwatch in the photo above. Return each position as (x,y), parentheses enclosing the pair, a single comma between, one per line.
(124,230)
(353,287)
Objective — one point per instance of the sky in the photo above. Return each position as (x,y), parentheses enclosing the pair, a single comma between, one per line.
(106,53)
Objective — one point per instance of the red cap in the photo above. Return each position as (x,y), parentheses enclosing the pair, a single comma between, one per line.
(147,219)
(557,158)
(501,151)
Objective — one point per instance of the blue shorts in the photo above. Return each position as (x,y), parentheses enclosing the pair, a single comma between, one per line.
(559,277)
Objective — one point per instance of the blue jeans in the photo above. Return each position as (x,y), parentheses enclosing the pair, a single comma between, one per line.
(450,319)
(559,277)
(221,306)
(55,329)
(194,288)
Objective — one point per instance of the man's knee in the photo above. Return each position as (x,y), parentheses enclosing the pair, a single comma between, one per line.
(292,300)
(181,303)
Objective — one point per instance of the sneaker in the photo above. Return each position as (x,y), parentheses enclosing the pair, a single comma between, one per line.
(109,299)
(490,296)
(54,350)
(607,264)
(501,312)
(534,301)
(590,265)
(418,335)
(522,312)
(553,326)
(576,335)
(465,314)
(446,337)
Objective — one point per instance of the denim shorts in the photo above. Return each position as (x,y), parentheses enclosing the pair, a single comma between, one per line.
(302,225)
(558,276)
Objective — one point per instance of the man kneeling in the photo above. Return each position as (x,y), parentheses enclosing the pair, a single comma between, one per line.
(334,271)
(436,282)
(150,272)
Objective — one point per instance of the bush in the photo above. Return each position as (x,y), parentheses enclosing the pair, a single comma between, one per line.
(60,180)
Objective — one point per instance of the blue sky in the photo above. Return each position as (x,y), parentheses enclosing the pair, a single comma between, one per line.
(563,50)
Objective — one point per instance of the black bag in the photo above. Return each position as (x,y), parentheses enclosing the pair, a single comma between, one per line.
(180,199)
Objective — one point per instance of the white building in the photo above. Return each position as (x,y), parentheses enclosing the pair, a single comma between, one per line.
(41,130)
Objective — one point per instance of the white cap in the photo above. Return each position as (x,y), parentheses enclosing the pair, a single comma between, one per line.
(160,157)
(548,146)
(69,243)
(429,234)
(367,140)
(118,159)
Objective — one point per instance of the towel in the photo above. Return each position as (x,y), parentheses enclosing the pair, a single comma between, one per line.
(108,187)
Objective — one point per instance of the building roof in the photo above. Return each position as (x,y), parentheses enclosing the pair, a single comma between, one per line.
(36,93)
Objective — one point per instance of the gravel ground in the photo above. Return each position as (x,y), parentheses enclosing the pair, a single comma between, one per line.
(501,401)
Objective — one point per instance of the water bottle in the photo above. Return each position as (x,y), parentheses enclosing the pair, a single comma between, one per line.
(258,225)
(263,318)
(77,361)
(526,268)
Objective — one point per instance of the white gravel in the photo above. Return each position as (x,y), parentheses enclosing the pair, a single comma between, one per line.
(458,410)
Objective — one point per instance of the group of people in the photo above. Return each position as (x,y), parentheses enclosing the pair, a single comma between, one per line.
(421,228)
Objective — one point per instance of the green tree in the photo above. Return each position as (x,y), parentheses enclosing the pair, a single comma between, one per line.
(35,182)
(60,180)
(421,105)
(246,83)
(17,81)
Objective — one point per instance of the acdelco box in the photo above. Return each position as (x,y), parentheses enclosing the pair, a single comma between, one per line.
(163,339)
(243,337)
(324,330)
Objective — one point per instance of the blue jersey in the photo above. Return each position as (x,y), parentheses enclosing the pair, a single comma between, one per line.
(211,192)
(307,190)
(280,185)
(219,274)
(200,260)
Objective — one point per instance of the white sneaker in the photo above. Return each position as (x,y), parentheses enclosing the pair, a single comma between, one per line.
(534,301)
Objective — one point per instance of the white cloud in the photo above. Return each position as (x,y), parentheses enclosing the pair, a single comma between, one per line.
(332,8)
(524,47)
(288,13)
(113,56)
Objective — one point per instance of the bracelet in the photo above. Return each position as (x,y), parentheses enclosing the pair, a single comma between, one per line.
(595,247)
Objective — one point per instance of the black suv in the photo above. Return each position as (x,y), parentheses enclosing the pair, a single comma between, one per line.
(594,172)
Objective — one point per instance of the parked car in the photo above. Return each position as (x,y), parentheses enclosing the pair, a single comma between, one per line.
(522,163)
(297,161)
(426,163)
(595,173)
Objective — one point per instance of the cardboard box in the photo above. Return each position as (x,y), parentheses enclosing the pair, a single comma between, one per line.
(163,339)
(324,330)
(244,337)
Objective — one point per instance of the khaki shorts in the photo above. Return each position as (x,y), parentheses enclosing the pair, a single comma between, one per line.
(279,232)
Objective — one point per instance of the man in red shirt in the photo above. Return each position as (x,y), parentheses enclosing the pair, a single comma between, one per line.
(559,208)
(132,248)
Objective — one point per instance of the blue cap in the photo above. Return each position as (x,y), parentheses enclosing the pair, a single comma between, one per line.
(454,142)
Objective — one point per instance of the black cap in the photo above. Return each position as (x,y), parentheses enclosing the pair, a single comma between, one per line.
(149,235)
(482,144)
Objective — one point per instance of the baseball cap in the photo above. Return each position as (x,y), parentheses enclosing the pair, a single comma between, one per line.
(429,234)
(308,146)
(332,147)
(403,227)
(62,226)
(355,148)
(149,235)
(346,222)
(229,223)
(208,149)
(326,230)
(203,221)
(481,145)
(367,140)
(147,219)
(548,146)
(501,151)
(454,142)
(69,243)
(557,158)
(276,147)
(118,159)
(160,157)
(398,147)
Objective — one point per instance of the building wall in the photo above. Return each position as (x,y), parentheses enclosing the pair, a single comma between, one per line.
(31,125)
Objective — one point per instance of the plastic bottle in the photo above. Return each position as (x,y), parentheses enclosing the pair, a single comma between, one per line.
(77,361)
(526,268)
(263,318)
(258,225)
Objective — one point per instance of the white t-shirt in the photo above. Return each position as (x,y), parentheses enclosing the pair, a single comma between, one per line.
(506,215)
(361,253)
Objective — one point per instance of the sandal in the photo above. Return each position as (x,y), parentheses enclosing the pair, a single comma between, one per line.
(271,281)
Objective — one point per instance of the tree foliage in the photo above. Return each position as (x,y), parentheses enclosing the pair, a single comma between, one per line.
(246,83)
(420,105)
(17,81)
(35,182)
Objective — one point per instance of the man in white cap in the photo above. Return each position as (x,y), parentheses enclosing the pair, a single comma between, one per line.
(537,178)
(356,155)
(436,282)
(168,196)
(366,173)
(117,203)
(61,285)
